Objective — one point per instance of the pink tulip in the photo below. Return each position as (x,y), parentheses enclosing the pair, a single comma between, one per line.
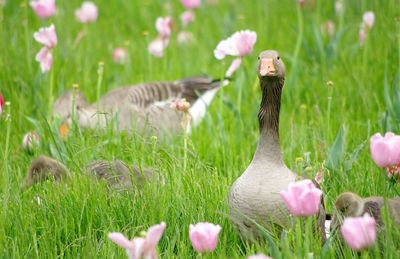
(362,35)
(302,198)
(191,4)
(119,55)
(259,256)
(204,236)
(157,46)
(45,59)
(385,151)
(369,19)
(1,103)
(359,232)
(233,67)
(164,26)
(47,36)
(239,44)
(29,140)
(185,37)
(87,12)
(140,247)
(187,17)
(43,8)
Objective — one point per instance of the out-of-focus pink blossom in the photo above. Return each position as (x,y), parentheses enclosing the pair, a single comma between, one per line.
(30,140)
(359,232)
(46,36)
(87,12)
(181,105)
(328,28)
(233,67)
(140,247)
(45,58)
(191,4)
(339,7)
(385,151)
(164,26)
(259,256)
(302,198)
(239,44)
(204,236)
(1,103)
(369,19)
(187,17)
(157,46)
(119,55)
(185,37)
(43,8)
(362,35)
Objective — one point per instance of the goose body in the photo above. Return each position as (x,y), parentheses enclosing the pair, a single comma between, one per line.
(254,196)
(145,107)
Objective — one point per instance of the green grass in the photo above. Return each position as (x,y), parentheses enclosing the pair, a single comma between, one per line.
(73,219)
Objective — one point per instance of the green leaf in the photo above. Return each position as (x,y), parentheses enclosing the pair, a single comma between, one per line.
(337,151)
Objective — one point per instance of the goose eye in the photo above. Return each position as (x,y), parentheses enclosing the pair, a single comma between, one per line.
(258,58)
(278,58)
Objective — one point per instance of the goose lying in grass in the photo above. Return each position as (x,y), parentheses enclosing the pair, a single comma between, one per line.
(349,204)
(147,107)
(254,196)
(43,168)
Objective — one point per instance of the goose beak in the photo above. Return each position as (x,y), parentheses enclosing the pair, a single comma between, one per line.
(267,67)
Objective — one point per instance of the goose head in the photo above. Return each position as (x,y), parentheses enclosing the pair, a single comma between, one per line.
(270,65)
(348,204)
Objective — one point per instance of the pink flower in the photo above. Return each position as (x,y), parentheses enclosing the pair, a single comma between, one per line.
(302,198)
(191,4)
(140,247)
(362,35)
(239,44)
(157,46)
(233,67)
(47,36)
(369,19)
(1,103)
(359,232)
(187,17)
(87,13)
(43,8)
(181,105)
(164,26)
(328,28)
(29,140)
(259,256)
(119,55)
(185,37)
(45,58)
(385,151)
(204,236)
(339,7)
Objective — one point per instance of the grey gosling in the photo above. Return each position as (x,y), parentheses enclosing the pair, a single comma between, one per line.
(349,204)
(254,196)
(144,107)
(43,168)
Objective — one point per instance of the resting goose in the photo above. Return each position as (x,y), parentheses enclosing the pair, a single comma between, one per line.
(349,204)
(146,106)
(254,196)
(43,168)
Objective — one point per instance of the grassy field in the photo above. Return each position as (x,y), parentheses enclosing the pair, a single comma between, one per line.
(319,121)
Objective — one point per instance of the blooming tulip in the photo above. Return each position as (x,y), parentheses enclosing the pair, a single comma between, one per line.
(259,256)
(140,247)
(239,44)
(1,103)
(29,140)
(359,232)
(204,236)
(233,67)
(43,8)
(87,12)
(369,19)
(302,198)
(46,36)
(119,55)
(157,46)
(385,151)
(45,59)
(191,4)
(164,26)
(187,17)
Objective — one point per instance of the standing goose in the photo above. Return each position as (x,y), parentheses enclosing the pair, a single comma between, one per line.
(146,106)
(254,196)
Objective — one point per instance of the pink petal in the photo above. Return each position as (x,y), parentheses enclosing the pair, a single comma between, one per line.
(154,235)
(204,236)
(43,8)
(164,26)
(380,151)
(259,256)
(47,36)
(185,37)
(239,44)
(369,19)
(119,55)
(45,58)
(87,12)
(120,240)
(157,46)
(233,67)
(191,4)
(187,17)
(359,232)
(310,202)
